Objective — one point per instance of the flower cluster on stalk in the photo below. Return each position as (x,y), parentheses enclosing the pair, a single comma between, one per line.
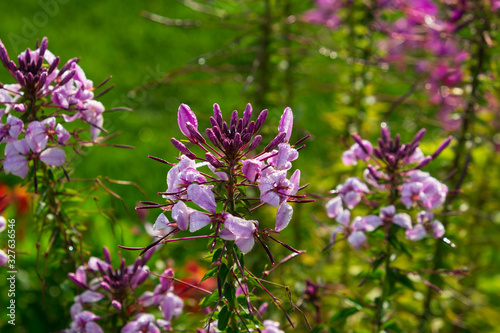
(116,290)
(393,172)
(219,199)
(422,35)
(35,107)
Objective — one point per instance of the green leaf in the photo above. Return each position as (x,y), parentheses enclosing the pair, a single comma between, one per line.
(391,326)
(230,294)
(209,300)
(223,318)
(209,274)
(342,315)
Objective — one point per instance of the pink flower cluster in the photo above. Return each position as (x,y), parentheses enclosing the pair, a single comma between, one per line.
(116,289)
(31,108)
(421,33)
(393,170)
(193,194)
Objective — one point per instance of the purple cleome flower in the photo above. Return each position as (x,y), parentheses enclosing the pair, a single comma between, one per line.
(104,284)
(392,168)
(38,80)
(194,196)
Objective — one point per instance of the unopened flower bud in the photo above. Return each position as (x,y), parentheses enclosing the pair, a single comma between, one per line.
(275,142)
(212,160)
(182,148)
(117,305)
(256,141)
(260,120)
(442,147)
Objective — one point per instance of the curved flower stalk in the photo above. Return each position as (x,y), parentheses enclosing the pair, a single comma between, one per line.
(117,290)
(211,192)
(399,196)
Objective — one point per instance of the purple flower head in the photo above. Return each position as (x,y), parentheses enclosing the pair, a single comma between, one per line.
(171,306)
(240,231)
(388,215)
(426,224)
(271,327)
(275,187)
(143,322)
(351,191)
(85,322)
(11,130)
(16,158)
(356,237)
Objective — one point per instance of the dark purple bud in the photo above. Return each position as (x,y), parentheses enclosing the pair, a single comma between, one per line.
(27,56)
(256,141)
(275,142)
(74,278)
(122,265)
(106,279)
(385,133)
(239,126)
(232,132)
(20,78)
(139,277)
(247,114)
(213,122)
(390,159)
(105,286)
(4,56)
(245,138)
(66,66)
(212,160)
(19,107)
(137,264)
(418,136)
(147,255)
(166,279)
(237,141)
(234,119)
(263,308)
(43,46)
(39,63)
(107,254)
(373,172)
(442,147)
(381,144)
(218,114)
(67,77)
(54,64)
(117,305)
(378,153)
(397,141)
(424,162)
(226,144)
(212,137)
(260,120)
(225,129)
(182,148)
(251,127)
(12,67)
(43,78)
(29,79)
(359,141)
(194,133)
(217,132)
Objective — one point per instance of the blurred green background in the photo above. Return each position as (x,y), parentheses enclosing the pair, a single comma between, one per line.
(233,53)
